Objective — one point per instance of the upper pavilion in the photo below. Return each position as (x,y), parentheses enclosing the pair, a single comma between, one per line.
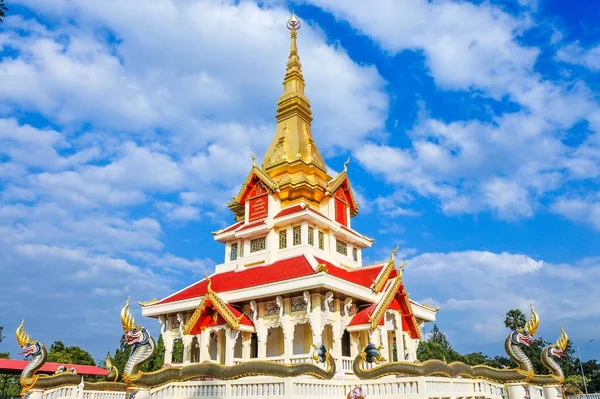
(292,273)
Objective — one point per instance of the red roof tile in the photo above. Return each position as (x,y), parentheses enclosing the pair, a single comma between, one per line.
(289,211)
(363,316)
(282,270)
(362,276)
(232,227)
(254,224)
(12,365)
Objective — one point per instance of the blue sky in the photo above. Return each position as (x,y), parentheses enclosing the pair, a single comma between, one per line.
(473,129)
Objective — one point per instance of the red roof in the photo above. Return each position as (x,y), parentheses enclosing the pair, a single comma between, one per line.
(254,224)
(363,316)
(8,365)
(232,227)
(297,208)
(281,270)
(362,276)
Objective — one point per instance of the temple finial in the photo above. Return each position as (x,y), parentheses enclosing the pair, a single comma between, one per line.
(293,23)
(253,159)
(346,164)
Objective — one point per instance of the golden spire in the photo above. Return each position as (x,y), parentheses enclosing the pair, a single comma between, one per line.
(293,158)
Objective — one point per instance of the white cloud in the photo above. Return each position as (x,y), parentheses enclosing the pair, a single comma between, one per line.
(583,210)
(478,287)
(575,54)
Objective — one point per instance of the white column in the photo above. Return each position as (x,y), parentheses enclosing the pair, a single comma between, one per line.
(168,341)
(515,390)
(288,331)
(399,338)
(220,345)
(383,339)
(187,348)
(552,392)
(316,322)
(230,337)
(204,342)
(355,343)
(246,345)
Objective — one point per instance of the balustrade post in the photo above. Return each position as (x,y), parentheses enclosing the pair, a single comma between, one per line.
(516,390)
(552,391)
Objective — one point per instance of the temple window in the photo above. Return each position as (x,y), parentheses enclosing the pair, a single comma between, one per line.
(282,239)
(311,236)
(355,254)
(321,240)
(258,244)
(253,346)
(234,251)
(341,247)
(296,235)
(275,342)
(302,339)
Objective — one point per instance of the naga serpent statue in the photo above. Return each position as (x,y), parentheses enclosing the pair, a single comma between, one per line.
(38,353)
(549,354)
(143,346)
(515,340)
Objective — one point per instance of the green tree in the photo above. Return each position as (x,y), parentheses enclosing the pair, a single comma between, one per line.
(515,319)
(157,359)
(439,337)
(475,358)
(121,355)
(59,353)
(3,10)
(178,351)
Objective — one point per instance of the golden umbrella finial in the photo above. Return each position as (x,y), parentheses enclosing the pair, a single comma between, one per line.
(126,317)
(562,340)
(22,336)
(533,323)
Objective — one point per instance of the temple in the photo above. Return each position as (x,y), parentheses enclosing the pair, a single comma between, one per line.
(292,275)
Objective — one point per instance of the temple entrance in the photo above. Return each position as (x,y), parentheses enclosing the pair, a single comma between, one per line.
(302,339)
(253,346)
(237,347)
(346,344)
(275,342)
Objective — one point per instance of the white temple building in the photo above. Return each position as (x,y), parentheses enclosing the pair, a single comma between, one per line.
(292,274)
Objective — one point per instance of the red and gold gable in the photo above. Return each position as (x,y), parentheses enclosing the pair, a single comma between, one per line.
(208,318)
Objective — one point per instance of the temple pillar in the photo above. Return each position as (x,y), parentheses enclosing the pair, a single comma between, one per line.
(517,391)
(383,340)
(316,322)
(261,335)
(354,343)
(230,337)
(187,348)
(204,342)
(246,345)
(168,341)
(220,345)
(552,391)
(399,338)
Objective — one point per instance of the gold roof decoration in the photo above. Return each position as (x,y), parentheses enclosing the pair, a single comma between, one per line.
(385,272)
(562,340)
(126,318)
(150,302)
(220,306)
(384,303)
(22,336)
(533,323)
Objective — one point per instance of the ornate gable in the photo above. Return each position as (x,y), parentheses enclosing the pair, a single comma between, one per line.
(339,188)
(255,189)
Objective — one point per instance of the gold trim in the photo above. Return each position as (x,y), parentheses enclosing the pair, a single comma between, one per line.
(533,322)
(22,336)
(385,301)
(321,268)
(562,340)
(259,262)
(194,318)
(151,301)
(385,272)
(126,318)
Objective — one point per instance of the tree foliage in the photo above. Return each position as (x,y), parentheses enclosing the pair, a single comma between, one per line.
(3,10)
(515,319)
(155,362)
(59,353)
(178,351)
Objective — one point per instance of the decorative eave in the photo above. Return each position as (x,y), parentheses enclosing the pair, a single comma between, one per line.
(385,272)
(150,302)
(432,308)
(237,203)
(221,307)
(385,301)
(334,184)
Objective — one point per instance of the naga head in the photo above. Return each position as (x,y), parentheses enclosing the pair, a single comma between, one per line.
(525,335)
(28,346)
(371,354)
(557,349)
(320,353)
(134,335)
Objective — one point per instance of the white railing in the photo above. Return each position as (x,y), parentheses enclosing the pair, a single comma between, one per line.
(302,387)
(347,364)
(584,396)
(65,392)
(103,395)
(295,359)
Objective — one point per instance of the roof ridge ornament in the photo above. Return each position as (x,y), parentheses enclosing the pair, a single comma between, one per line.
(346,164)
